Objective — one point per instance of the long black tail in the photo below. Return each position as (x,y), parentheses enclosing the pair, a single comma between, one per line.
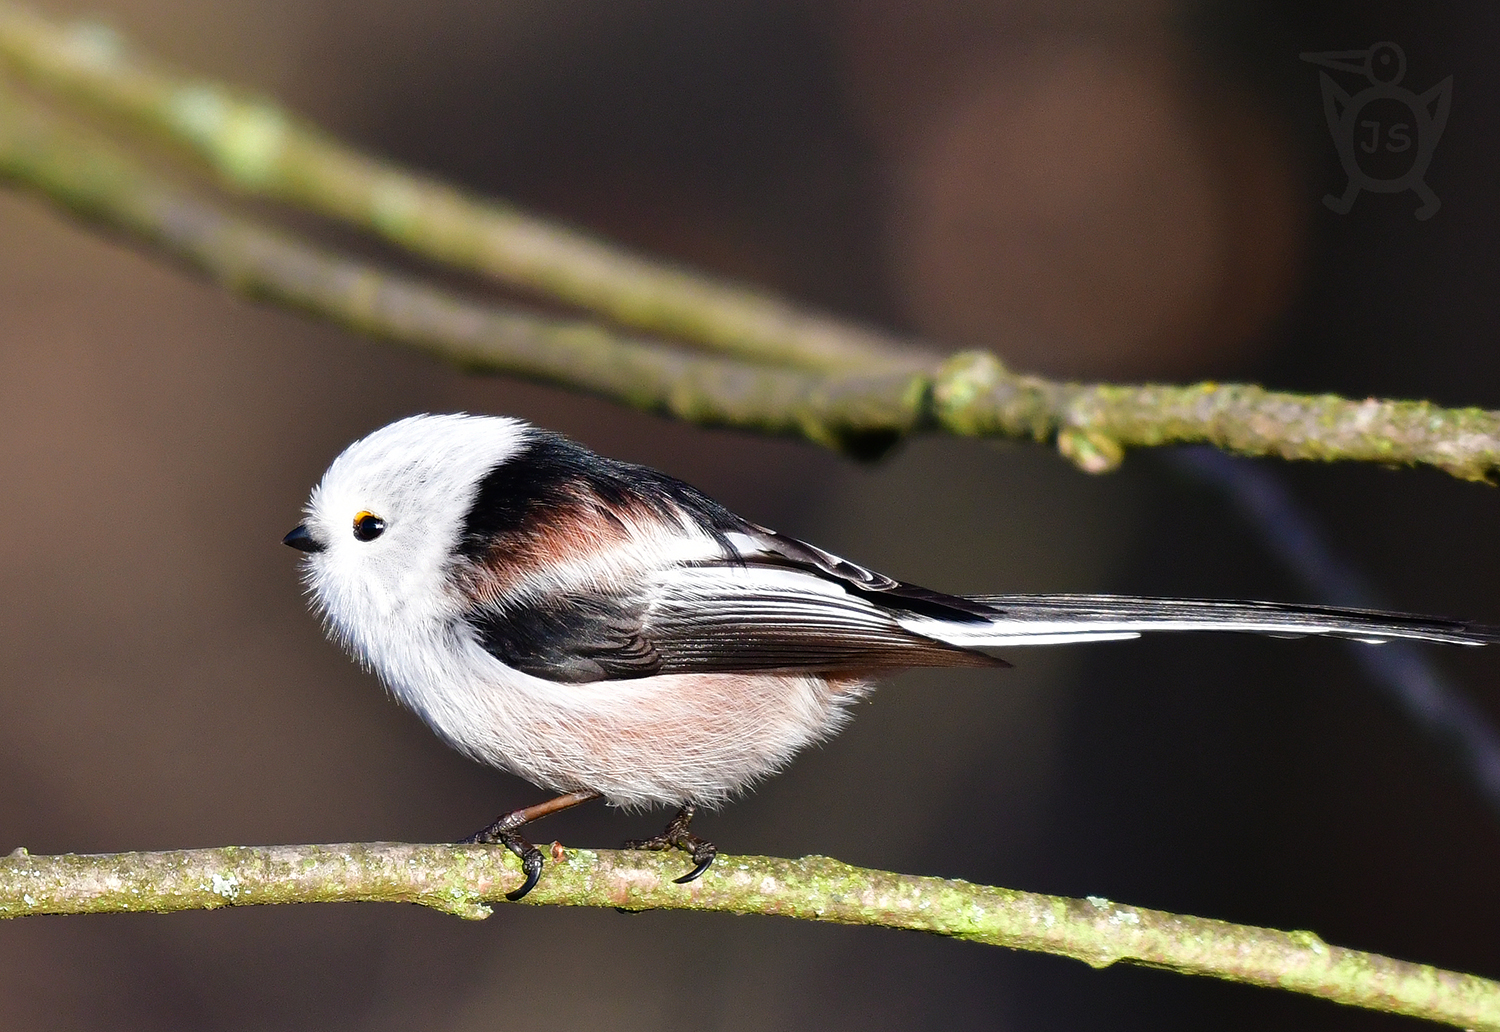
(1059,619)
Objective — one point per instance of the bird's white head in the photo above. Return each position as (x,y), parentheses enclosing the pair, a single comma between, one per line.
(383,526)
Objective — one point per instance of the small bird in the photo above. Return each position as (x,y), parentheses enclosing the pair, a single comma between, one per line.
(604,630)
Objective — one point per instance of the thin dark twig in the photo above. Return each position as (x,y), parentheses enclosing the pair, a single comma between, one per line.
(1404,671)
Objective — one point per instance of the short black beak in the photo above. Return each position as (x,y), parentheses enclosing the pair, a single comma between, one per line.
(303,541)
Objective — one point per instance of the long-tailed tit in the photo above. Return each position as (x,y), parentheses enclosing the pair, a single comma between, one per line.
(602,629)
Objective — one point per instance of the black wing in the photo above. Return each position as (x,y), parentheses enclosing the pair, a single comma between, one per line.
(767,602)
(739,618)
(761,602)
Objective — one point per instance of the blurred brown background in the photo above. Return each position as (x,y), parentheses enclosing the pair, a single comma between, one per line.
(1118,190)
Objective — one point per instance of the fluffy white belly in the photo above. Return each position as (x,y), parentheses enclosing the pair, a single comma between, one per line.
(668,739)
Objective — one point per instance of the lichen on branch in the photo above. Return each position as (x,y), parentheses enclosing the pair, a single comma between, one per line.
(1093,424)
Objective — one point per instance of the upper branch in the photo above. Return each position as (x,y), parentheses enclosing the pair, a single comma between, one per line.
(1093,424)
(860,412)
(463,880)
(88,176)
(259,148)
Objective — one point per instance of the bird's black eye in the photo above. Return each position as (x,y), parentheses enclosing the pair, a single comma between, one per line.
(368,526)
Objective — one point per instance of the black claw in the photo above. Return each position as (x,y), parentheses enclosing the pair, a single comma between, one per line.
(677,836)
(531,863)
(531,857)
(533,867)
(503,832)
(532,877)
(697,871)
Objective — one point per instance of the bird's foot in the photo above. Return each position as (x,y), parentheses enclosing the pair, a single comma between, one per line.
(677,836)
(531,857)
(503,833)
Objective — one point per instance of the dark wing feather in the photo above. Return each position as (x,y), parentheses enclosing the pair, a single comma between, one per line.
(710,620)
(794,629)
(758,546)
(570,639)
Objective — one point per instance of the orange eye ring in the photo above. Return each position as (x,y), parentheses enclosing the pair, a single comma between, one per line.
(368,526)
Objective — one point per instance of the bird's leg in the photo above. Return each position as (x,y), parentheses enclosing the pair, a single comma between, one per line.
(677,836)
(503,832)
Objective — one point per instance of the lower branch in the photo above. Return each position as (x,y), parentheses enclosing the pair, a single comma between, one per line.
(465,880)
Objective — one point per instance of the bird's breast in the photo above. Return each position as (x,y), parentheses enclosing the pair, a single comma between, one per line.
(662,739)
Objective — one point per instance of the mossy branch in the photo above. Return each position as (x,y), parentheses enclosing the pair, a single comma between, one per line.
(99,181)
(971,394)
(1093,424)
(257,147)
(466,880)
